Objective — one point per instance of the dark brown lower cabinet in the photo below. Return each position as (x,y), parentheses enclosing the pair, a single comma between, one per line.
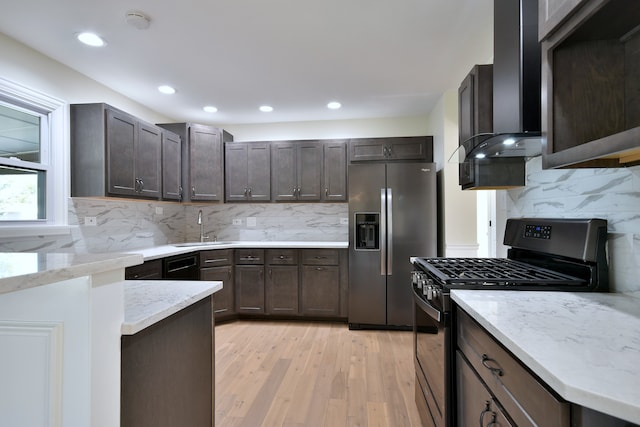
(320,288)
(506,385)
(217,265)
(474,403)
(250,289)
(167,375)
(281,289)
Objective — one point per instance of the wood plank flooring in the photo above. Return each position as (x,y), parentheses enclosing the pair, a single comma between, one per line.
(294,374)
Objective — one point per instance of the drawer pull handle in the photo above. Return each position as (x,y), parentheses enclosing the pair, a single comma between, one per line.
(487,409)
(485,362)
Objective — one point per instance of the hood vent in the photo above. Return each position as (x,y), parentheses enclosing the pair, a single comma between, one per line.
(516,86)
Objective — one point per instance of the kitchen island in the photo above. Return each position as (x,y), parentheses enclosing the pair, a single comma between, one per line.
(584,346)
(62,317)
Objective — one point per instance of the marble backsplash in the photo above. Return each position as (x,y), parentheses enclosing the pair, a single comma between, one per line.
(612,194)
(124,224)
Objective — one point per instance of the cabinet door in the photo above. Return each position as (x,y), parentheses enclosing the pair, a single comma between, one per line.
(367,149)
(281,289)
(205,163)
(309,170)
(553,12)
(249,289)
(283,171)
(236,172)
(474,402)
(148,157)
(320,288)
(121,136)
(171,166)
(335,172)
(407,148)
(223,300)
(259,172)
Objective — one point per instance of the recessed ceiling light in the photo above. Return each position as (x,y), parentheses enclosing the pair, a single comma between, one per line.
(210,109)
(168,90)
(334,105)
(266,108)
(91,39)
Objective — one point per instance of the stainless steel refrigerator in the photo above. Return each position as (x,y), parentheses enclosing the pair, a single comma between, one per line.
(392,217)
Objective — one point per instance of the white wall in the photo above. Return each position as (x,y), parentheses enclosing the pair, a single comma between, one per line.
(328,129)
(25,66)
(459,214)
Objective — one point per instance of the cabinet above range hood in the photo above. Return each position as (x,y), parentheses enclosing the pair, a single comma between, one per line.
(516,92)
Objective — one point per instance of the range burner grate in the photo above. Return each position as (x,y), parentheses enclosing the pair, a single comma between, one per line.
(495,271)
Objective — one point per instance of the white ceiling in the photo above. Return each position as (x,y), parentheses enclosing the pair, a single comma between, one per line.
(379,58)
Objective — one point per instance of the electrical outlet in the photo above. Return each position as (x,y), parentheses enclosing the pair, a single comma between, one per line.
(251,221)
(159,210)
(90,221)
(237,221)
(344,221)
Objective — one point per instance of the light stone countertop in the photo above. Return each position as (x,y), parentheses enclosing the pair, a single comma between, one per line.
(585,346)
(24,270)
(177,248)
(148,301)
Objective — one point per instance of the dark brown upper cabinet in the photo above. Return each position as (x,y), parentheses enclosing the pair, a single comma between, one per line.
(247,172)
(475,116)
(591,83)
(202,160)
(114,153)
(389,149)
(296,170)
(334,177)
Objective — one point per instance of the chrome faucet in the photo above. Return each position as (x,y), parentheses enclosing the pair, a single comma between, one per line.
(202,236)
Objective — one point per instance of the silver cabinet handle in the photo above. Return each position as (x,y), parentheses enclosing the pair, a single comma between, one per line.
(193,191)
(141,185)
(485,362)
(180,193)
(383,231)
(250,192)
(390,231)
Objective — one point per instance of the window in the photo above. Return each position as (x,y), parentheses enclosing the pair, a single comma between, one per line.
(33,152)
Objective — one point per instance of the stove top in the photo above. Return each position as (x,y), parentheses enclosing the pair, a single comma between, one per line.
(466,272)
(544,254)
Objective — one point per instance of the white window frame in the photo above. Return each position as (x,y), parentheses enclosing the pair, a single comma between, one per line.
(57,164)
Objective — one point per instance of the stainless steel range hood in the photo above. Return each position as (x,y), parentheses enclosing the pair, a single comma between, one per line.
(516,86)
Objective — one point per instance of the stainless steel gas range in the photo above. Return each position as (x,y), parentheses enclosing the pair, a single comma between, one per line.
(544,255)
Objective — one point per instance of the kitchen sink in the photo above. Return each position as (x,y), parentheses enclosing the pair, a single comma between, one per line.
(182,245)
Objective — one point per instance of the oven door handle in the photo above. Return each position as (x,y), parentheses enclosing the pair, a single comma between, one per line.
(432,312)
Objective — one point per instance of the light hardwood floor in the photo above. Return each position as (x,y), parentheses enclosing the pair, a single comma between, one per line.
(293,374)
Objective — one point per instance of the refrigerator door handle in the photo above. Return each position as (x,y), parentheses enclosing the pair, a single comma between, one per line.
(383,231)
(389,232)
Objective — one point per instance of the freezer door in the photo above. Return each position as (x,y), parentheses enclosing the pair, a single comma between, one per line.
(413,231)
(367,282)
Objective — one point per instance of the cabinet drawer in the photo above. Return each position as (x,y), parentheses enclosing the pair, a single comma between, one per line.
(282,256)
(249,256)
(216,258)
(320,257)
(523,397)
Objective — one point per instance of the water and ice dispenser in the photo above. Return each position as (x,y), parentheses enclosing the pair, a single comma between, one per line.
(367,231)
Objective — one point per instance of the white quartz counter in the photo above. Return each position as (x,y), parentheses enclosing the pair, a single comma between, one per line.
(585,346)
(149,301)
(178,248)
(24,270)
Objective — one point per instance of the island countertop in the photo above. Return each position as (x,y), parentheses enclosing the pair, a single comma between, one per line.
(585,346)
(24,270)
(148,301)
